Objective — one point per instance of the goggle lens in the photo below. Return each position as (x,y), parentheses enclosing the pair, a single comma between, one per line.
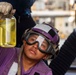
(35,38)
(43,44)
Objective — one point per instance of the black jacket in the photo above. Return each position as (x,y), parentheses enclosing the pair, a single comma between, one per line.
(20,5)
(67,54)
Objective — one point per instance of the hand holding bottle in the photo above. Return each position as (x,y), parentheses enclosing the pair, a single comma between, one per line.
(7,25)
(6,8)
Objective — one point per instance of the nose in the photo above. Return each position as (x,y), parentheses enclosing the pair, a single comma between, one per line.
(36,45)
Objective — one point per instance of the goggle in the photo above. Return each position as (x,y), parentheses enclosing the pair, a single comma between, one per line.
(44,45)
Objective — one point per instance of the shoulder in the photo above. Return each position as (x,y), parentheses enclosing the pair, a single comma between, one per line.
(8,50)
(43,68)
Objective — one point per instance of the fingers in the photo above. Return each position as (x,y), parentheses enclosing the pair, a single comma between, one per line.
(5,8)
(8,8)
(13,11)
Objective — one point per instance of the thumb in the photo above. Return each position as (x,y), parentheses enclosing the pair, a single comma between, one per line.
(13,12)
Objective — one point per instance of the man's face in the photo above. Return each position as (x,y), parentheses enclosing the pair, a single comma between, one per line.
(32,51)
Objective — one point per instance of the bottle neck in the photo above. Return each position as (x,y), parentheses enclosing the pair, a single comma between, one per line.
(5,16)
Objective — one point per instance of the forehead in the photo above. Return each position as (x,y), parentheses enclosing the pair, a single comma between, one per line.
(38,37)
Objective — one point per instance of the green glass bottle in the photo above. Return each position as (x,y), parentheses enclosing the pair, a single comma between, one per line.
(8,32)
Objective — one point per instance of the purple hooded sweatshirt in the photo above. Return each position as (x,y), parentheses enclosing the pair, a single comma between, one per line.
(9,59)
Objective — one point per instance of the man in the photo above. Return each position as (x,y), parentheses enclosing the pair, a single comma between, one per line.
(21,9)
(39,42)
(66,56)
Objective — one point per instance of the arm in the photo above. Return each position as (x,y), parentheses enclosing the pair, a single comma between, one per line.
(67,54)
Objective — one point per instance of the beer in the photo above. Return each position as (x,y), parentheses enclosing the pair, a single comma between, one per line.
(8,32)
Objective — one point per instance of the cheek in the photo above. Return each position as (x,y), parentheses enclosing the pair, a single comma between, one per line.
(26,47)
(40,55)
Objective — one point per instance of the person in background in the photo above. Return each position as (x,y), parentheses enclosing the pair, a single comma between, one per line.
(39,43)
(21,9)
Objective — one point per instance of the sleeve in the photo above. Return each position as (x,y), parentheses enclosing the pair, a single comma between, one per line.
(66,56)
(26,3)
(50,73)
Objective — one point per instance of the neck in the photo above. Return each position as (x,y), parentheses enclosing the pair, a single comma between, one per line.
(28,63)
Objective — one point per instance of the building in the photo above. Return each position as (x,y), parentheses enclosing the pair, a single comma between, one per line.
(58,12)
